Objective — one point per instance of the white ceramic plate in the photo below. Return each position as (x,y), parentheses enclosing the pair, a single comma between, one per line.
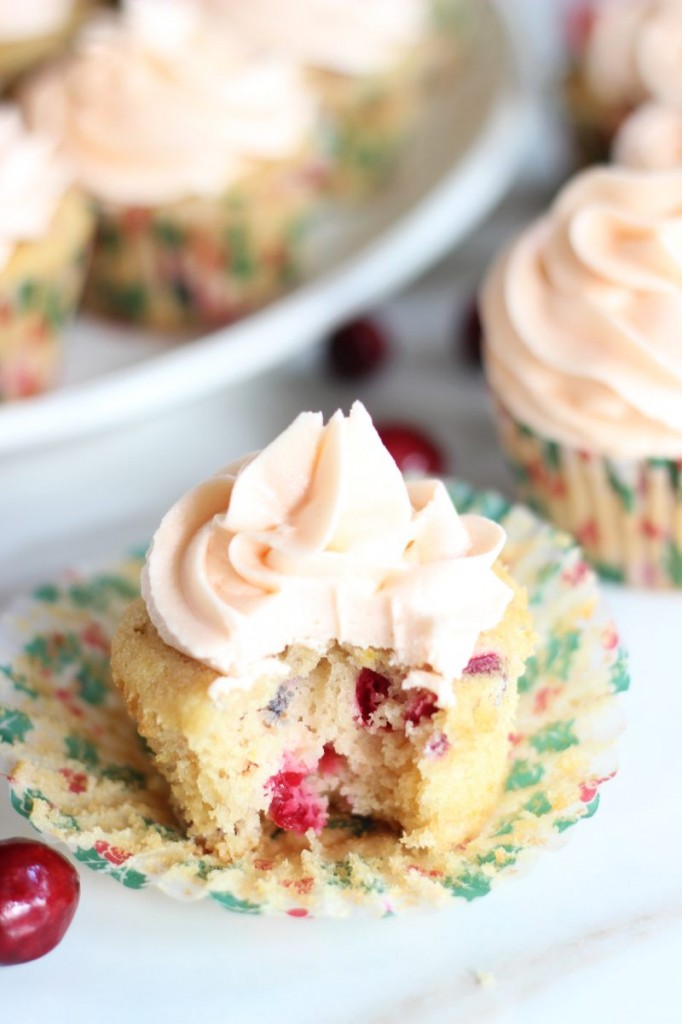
(463,160)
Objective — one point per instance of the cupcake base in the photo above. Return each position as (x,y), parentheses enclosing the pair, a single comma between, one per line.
(39,291)
(626,514)
(203,263)
(369,121)
(333,732)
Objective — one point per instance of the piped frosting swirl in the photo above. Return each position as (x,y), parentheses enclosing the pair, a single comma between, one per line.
(29,19)
(351,37)
(318,539)
(33,181)
(583,317)
(163,103)
(650,139)
(634,51)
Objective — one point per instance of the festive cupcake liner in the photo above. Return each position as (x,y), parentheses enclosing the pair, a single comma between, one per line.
(35,306)
(368,122)
(202,262)
(626,513)
(81,774)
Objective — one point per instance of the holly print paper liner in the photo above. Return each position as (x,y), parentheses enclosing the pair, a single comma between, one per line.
(80,773)
(39,292)
(369,121)
(626,513)
(204,262)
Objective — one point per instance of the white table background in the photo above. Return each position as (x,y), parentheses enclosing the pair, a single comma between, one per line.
(592,932)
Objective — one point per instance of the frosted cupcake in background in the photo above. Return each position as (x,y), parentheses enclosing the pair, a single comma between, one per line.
(45,230)
(370,61)
(31,30)
(197,152)
(582,319)
(650,139)
(625,52)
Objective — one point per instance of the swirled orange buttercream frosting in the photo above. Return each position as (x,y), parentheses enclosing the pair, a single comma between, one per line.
(650,139)
(26,19)
(350,37)
(633,51)
(583,317)
(162,102)
(318,539)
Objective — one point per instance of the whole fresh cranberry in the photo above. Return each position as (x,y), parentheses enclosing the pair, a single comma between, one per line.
(358,349)
(39,891)
(470,335)
(412,450)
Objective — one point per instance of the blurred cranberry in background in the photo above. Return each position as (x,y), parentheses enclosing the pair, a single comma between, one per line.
(412,449)
(470,335)
(358,349)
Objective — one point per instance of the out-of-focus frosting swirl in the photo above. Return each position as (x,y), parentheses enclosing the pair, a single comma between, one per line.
(634,51)
(352,37)
(162,103)
(28,19)
(318,539)
(583,317)
(33,180)
(650,139)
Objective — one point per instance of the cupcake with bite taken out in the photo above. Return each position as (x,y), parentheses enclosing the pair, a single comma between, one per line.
(45,231)
(371,62)
(582,317)
(625,53)
(197,151)
(317,636)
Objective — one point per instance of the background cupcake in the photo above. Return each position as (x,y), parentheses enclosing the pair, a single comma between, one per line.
(45,228)
(650,139)
(370,61)
(31,30)
(582,320)
(627,52)
(197,153)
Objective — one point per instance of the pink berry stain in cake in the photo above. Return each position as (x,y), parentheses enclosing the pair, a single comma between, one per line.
(422,707)
(437,746)
(371,690)
(481,664)
(331,762)
(295,805)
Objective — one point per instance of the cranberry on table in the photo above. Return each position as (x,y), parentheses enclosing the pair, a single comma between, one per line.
(39,891)
(412,449)
(358,349)
(470,335)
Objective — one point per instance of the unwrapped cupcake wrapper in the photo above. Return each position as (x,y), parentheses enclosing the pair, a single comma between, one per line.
(33,313)
(203,263)
(81,774)
(626,513)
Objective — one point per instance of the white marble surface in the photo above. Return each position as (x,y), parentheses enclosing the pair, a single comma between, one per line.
(593,932)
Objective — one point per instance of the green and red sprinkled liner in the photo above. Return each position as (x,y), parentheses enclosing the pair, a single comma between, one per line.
(625,513)
(202,264)
(79,772)
(33,314)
